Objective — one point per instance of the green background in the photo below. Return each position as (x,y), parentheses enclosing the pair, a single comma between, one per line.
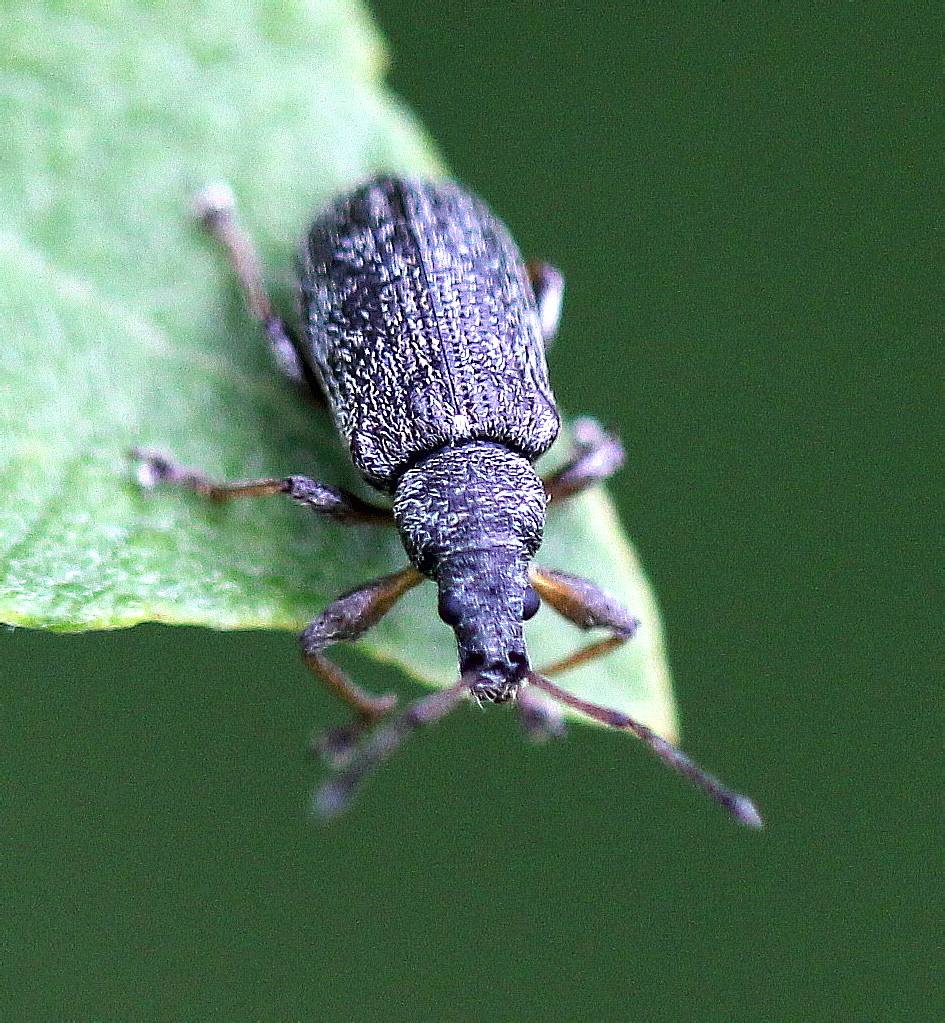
(742,200)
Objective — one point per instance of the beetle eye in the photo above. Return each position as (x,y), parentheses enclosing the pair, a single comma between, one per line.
(530,604)
(449,609)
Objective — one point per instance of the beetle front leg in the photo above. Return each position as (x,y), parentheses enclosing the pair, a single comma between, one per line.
(588,607)
(215,208)
(597,456)
(335,795)
(343,621)
(539,717)
(153,468)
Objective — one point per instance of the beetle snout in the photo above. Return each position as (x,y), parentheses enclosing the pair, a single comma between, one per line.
(490,690)
(498,681)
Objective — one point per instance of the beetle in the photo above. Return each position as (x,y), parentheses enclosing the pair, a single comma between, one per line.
(426,332)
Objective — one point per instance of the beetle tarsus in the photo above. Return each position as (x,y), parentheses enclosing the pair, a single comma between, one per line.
(336,746)
(152,468)
(548,286)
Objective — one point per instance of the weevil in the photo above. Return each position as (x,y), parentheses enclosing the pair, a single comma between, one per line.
(426,332)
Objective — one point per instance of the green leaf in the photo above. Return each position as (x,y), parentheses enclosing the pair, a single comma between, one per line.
(120,326)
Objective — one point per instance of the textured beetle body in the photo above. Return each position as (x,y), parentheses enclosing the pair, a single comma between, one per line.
(423,328)
(427,333)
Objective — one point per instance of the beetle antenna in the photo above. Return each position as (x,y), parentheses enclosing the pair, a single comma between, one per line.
(739,806)
(335,795)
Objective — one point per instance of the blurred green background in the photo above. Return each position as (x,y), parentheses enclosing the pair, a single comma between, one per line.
(742,200)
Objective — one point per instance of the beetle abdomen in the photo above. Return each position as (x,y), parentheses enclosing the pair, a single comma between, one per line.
(423,327)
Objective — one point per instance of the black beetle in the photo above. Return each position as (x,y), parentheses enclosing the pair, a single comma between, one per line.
(426,332)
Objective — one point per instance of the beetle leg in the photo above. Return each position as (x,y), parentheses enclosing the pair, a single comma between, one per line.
(215,208)
(153,468)
(597,456)
(588,607)
(335,795)
(548,285)
(739,806)
(539,717)
(343,621)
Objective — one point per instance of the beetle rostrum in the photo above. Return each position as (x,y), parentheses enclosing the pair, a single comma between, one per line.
(471,518)
(426,332)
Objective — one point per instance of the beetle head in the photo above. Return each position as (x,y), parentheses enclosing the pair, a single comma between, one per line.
(485,597)
(471,518)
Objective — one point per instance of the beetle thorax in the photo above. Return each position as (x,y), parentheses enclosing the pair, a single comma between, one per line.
(469,497)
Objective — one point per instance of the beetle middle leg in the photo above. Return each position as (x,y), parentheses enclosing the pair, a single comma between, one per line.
(348,617)
(153,468)
(597,456)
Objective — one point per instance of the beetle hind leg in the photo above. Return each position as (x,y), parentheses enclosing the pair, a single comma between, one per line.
(548,285)
(215,208)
